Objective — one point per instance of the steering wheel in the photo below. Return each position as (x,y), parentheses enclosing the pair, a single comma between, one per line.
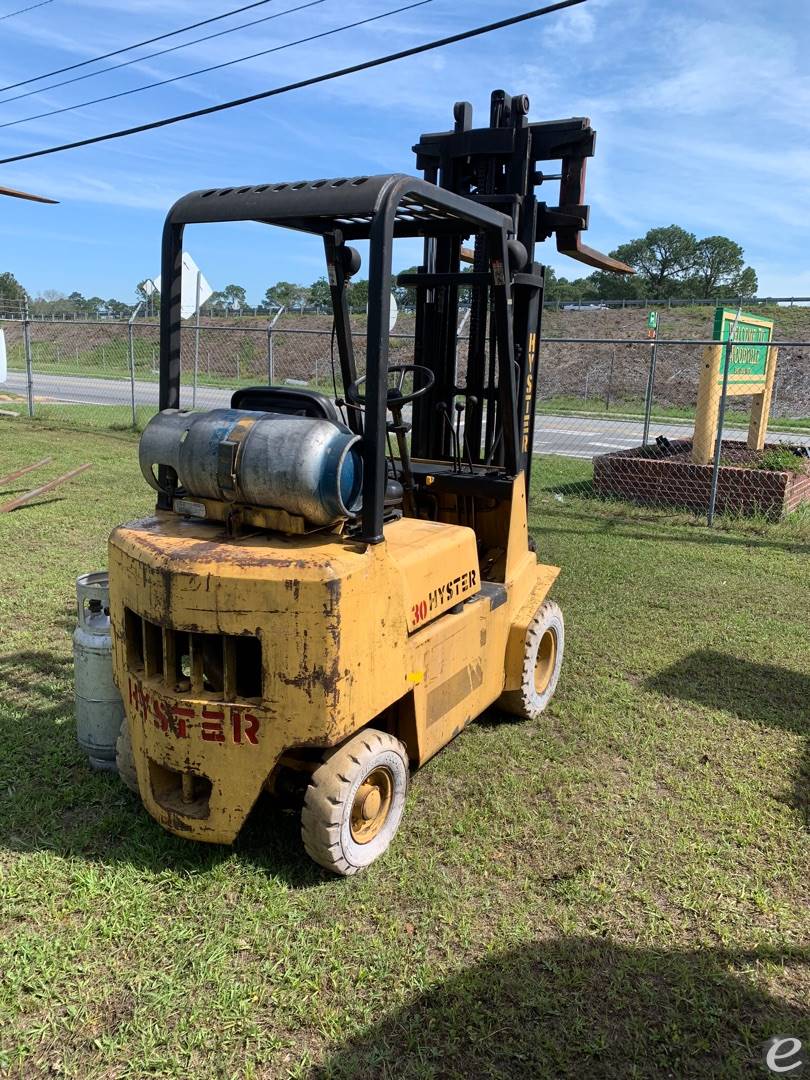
(395,396)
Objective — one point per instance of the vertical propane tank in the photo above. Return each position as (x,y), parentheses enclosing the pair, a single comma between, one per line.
(99,709)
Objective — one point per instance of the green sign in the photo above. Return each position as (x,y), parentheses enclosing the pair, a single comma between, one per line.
(652,320)
(749,360)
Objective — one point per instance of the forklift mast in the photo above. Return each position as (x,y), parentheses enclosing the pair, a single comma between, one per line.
(496,166)
(470,437)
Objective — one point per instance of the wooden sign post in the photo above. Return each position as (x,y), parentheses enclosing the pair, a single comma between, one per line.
(751,372)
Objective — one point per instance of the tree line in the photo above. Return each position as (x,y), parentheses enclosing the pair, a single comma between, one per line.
(669,263)
(284,294)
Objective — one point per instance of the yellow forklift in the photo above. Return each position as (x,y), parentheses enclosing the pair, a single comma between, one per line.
(331,589)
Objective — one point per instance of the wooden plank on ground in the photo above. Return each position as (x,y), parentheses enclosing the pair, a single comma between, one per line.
(10,477)
(21,500)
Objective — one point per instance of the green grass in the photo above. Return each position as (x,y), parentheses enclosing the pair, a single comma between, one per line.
(622,408)
(617,891)
(99,418)
(781,458)
(773,459)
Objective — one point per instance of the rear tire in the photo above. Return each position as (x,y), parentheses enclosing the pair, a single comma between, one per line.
(354,802)
(542,660)
(125,759)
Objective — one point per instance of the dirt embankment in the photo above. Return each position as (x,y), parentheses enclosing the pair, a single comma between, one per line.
(611,373)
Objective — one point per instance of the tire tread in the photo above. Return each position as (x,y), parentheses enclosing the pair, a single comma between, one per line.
(328,789)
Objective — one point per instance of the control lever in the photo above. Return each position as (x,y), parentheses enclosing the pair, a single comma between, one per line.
(400,429)
(444,412)
(472,401)
(459,407)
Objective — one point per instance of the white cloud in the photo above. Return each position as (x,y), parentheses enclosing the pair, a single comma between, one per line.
(577,24)
(699,114)
(70,186)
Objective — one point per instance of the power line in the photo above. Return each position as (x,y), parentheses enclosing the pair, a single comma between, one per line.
(22,11)
(161,52)
(216,67)
(314,80)
(127,48)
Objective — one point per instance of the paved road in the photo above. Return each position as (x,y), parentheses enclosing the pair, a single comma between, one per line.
(570,436)
(83,390)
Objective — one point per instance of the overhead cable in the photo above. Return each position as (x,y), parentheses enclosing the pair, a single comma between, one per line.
(22,11)
(161,52)
(126,48)
(215,67)
(314,80)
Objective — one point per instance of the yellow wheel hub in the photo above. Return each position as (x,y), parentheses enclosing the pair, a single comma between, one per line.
(371,805)
(546,659)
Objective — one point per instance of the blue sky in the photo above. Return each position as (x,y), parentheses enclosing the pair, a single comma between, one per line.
(702,110)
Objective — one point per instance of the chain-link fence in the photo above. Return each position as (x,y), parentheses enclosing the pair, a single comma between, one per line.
(615,417)
(105,373)
(616,420)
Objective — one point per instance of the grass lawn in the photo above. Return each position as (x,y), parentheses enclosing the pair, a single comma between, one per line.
(620,890)
(102,418)
(632,409)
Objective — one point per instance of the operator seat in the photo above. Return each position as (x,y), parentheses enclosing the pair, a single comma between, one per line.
(284,399)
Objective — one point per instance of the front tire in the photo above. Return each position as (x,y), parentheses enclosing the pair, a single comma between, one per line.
(354,802)
(542,660)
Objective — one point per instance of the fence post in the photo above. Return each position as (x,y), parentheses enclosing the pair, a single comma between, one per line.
(29,365)
(196,341)
(610,379)
(131,338)
(718,444)
(271,371)
(648,401)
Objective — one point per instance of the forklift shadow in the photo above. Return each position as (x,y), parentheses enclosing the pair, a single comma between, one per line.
(52,800)
(758,693)
(582,489)
(581,1007)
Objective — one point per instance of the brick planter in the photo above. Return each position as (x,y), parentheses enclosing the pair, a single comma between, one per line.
(646,476)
